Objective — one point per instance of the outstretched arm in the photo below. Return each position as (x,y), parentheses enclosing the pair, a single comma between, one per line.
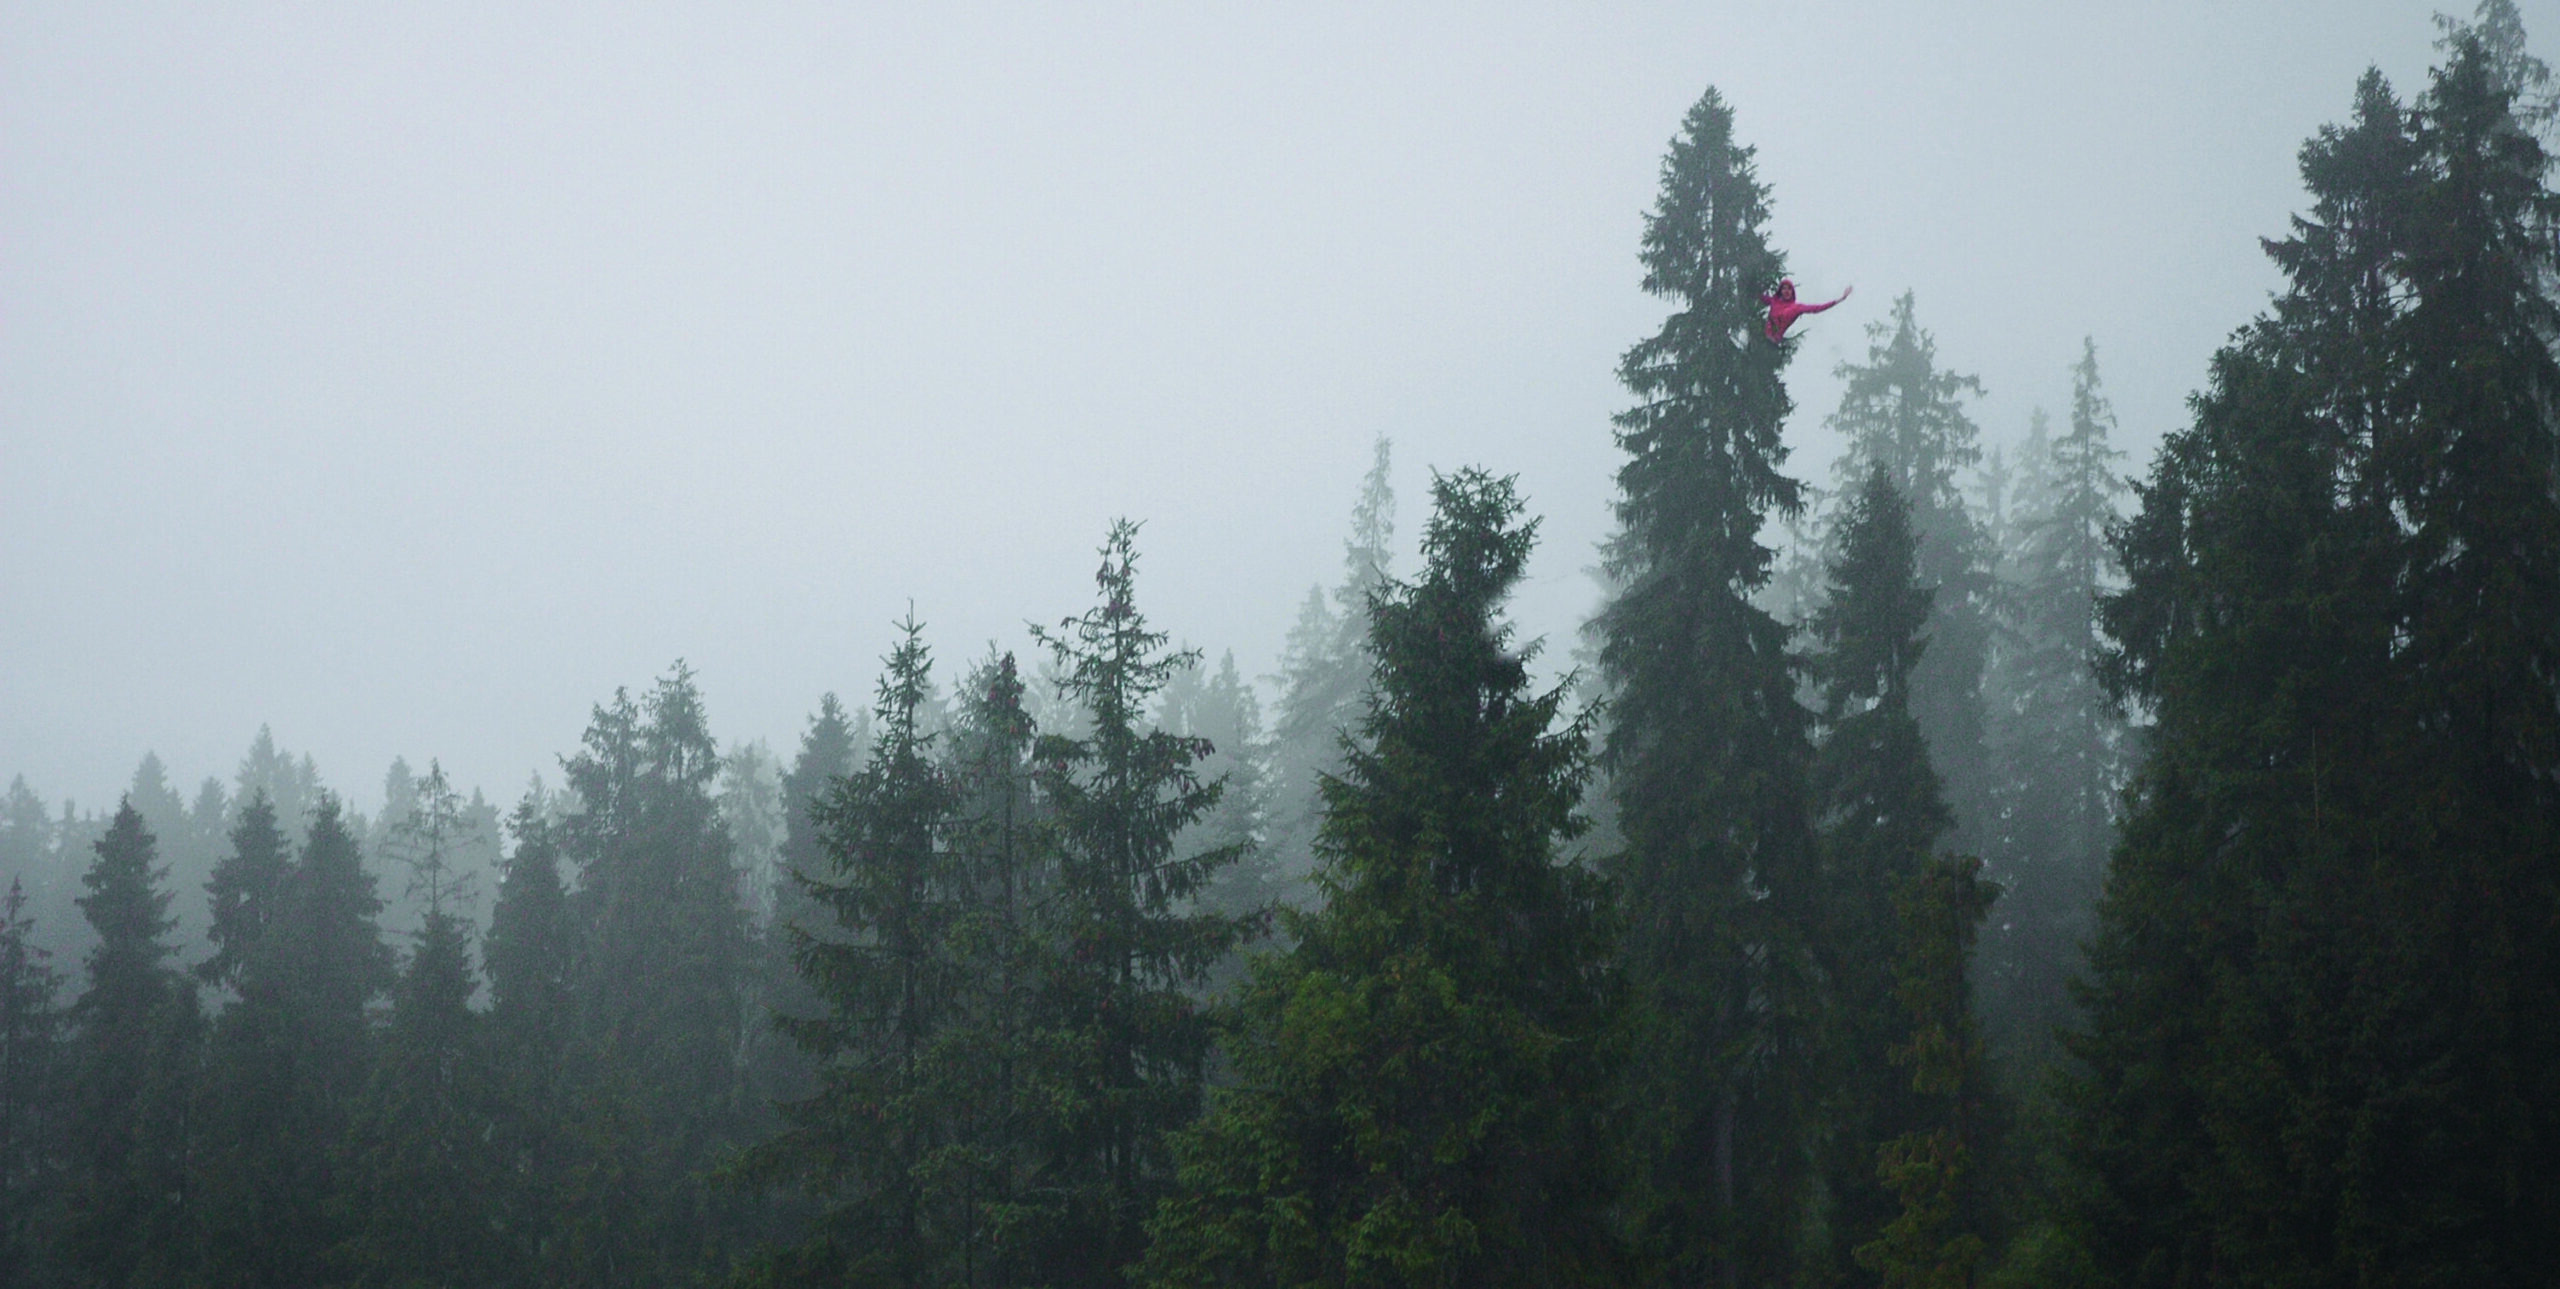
(1817,308)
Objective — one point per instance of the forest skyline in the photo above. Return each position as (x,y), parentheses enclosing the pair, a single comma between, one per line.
(465,372)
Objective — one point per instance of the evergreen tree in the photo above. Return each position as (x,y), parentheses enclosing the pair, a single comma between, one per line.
(1124,1040)
(750,800)
(894,982)
(293,785)
(1902,411)
(778,1070)
(30,1088)
(245,891)
(1707,744)
(530,955)
(1881,816)
(1422,1082)
(660,986)
(1220,708)
(2058,740)
(999,833)
(1324,680)
(30,850)
(133,1048)
(2318,1042)
(424,1166)
(1935,1241)
(286,1065)
(188,858)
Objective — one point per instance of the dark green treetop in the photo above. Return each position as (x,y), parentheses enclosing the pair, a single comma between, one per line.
(1420,1085)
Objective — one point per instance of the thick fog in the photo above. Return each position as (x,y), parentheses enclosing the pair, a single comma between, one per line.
(408,377)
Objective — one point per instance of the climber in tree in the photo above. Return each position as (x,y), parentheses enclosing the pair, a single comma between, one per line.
(1783,309)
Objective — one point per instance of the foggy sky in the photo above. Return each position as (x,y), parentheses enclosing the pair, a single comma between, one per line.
(408,377)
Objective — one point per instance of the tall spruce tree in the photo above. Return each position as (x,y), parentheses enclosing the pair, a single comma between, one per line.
(1881,814)
(1707,744)
(660,984)
(135,1033)
(1421,1085)
(423,1171)
(1904,412)
(999,834)
(1124,1039)
(894,1088)
(778,1070)
(1219,707)
(423,1178)
(245,891)
(1935,1240)
(530,955)
(2318,1045)
(31,1087)
(2058,743)
(287,1062)
(1324,679)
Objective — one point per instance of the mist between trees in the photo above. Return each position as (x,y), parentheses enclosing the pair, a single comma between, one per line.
(1986,869)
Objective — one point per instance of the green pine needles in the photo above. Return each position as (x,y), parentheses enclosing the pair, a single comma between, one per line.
(1418,1091)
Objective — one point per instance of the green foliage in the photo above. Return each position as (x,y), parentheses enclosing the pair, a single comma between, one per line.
(1881,816)
(30,1082)
(530,957)
(659,979)
(2318,1046)
(1123,1038)
(424,1170)
(246,890)
(1935,1241)
(2059,745)
(1707,746)
(1419,1086)
(1324,679)
(287,1063)
(133,1055)
(1903,413)
(894,980)
(1219,708)
(778,1070)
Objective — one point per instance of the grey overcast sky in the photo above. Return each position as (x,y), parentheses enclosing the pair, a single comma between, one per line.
(407,377)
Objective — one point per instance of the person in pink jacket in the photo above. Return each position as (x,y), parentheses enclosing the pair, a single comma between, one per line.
(1783,309)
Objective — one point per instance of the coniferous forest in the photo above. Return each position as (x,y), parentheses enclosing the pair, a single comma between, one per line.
(2000,868)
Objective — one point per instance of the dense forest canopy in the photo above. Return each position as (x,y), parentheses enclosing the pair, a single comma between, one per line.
(1992,867)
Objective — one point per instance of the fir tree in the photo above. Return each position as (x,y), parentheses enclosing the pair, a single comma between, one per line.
(1903,412)
(1882,814)
(133,1049)
(530,954)
(832,746)
(1324,679)
(286,1065)
(893,981)
(1707,744)
(1934,1242)
(660,984)
(1219,708)
(1421,1083)
(2325,955)
(188,857)
(293,785)
(245,891)
(1000,838)
(1123,1040)
(2058,741)
(31,1133)
(424,1175)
